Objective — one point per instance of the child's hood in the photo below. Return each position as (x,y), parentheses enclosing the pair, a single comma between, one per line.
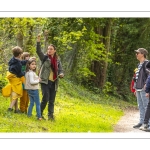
(13,61)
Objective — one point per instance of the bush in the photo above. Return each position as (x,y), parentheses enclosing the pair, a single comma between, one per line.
(3,82)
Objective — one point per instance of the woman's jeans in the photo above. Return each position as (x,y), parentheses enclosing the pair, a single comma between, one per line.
(49,94)
(34,98)
(142,101)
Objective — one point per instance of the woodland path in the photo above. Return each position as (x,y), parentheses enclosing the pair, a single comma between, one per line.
(126,123)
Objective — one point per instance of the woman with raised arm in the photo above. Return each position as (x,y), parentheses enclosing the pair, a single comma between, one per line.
(50,72)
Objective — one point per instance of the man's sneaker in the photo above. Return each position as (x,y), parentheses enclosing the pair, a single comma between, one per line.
(138,125)
(144,127)
(148,129)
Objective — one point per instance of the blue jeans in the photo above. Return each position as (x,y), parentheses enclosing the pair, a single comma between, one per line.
(34,98)
(142,101)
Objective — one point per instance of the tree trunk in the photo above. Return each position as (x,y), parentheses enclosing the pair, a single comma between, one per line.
(100,67)
(30,41)
(20,39)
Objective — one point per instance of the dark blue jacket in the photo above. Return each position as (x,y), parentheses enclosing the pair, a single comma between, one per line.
(147,90)
(15,66)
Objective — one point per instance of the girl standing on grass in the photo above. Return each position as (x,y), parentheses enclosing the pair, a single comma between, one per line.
(32,87)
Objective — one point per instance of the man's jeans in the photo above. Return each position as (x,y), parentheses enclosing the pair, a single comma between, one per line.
(142,101)
(34,98)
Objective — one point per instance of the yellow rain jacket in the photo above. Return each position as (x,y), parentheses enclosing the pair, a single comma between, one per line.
(14,85)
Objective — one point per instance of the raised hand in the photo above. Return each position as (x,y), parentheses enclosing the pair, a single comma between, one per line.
(38,38)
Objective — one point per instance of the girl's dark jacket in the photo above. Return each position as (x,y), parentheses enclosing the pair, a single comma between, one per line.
(45,68)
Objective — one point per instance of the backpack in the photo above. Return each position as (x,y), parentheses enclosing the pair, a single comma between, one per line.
(132,89)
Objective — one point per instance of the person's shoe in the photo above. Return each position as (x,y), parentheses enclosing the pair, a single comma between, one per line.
(22,112)
(17,111)
(148,129)
(143,127)
(51,117)
(9,109)
(138,125)
(40,119)
(43,117)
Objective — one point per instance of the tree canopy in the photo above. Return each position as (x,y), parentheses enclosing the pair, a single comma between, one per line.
(95,52)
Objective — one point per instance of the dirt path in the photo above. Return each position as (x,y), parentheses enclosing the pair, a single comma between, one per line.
(126,123)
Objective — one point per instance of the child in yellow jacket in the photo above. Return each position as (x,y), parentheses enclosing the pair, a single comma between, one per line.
(15,77)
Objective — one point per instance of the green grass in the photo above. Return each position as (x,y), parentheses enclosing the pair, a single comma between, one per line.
(76,110)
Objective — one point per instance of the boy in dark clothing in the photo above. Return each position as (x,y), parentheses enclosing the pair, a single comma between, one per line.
(14,76)
(15,64)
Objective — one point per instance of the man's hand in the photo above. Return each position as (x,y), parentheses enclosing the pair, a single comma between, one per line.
(147,94)
(135,93)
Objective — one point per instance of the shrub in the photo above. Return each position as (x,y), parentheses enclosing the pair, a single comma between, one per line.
(3,82)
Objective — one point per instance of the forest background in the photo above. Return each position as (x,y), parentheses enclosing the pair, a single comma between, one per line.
(97,53)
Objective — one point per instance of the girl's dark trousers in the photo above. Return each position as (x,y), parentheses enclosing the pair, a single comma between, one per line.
(49,94)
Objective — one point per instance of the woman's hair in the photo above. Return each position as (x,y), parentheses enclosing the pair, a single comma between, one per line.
(24,55)
(28,65)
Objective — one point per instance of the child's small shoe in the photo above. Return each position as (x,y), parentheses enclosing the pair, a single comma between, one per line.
(17,111)
(40,119)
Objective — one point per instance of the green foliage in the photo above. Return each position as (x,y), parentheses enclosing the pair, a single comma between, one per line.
(125,38)
(77,43)
(3,82)
(21,32)
(81,43)
(109,89)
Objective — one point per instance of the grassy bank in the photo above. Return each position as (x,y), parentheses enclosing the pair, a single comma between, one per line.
(76,110)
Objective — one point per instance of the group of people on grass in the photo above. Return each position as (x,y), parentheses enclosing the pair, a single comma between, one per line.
(24,81)
(141,81)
